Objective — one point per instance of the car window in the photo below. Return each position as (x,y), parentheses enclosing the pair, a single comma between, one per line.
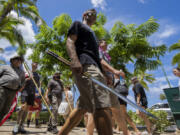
(155,107)
(163,106)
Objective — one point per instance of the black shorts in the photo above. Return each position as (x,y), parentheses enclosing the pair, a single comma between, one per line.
(122,102)
(28,99)
(144,103)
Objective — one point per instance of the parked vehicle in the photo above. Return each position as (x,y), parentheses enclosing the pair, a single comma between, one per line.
(163,107)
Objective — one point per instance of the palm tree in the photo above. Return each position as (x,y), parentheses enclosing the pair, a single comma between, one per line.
(131,46)
(2,61)
(25,8)
(176,58)
(8,23)
(8,30)
(144,77)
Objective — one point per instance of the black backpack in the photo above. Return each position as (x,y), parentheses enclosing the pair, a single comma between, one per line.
(121,89)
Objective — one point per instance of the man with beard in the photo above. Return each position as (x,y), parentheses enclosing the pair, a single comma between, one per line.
(54,97)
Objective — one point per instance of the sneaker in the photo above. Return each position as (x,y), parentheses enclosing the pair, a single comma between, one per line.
(15,129)
(54,130)
(22,130)
(28,123)
(49,128)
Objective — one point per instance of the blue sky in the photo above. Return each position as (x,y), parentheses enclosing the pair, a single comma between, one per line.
(127,11)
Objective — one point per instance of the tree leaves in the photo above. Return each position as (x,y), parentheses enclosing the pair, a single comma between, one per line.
(130,46)
(176,58)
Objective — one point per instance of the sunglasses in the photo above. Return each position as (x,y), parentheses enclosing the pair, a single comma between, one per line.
(91,14)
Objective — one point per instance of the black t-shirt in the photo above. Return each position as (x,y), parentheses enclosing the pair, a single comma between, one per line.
(138,89)
(86,44)
(55,86)
(30,88)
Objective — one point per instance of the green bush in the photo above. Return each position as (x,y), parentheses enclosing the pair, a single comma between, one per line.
(161,123)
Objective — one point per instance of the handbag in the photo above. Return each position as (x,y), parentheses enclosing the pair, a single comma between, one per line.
(122,89)
(63,108)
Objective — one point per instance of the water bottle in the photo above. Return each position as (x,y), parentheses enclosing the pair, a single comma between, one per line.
(122,81)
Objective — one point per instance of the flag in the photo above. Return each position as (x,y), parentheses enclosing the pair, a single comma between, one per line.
(13,106)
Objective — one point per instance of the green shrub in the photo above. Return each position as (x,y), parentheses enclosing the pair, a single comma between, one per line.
(161,123)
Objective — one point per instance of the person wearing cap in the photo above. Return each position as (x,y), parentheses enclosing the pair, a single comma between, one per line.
(11,80)
(54,97)
(141,100)
(82,48)
(27,98)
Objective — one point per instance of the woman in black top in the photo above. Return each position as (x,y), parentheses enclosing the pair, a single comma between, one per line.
(141,100)
(121,87)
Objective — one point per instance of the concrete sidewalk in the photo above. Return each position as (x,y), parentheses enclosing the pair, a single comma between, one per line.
(7,128)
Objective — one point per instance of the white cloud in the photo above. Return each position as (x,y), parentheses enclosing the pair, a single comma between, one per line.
(27,33)
(169,30)
(163,79)
(125,19)
(26,29)
(142,1)
(99,3)
(4,43)
(158,89)
(8,54)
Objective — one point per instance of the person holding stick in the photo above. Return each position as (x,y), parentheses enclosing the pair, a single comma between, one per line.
(54,97)
(36,108)
(82,48)
(27,99)
(12,79)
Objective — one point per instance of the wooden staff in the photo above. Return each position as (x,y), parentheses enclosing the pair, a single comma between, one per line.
(30,74)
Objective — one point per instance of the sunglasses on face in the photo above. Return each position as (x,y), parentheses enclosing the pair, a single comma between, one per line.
(92,14)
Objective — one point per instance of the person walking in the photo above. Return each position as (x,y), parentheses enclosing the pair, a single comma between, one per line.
(115,106)
(12,79)
(36,108)
(54,98)
(68,97)
(121,87)
(27,99)
(82,48)
(141,100)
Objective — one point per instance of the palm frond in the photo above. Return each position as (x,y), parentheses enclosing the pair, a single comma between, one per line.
(148,28)
(175,46)
(176,59)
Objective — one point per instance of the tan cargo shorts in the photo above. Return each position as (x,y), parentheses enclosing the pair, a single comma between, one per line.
(92,96)
(114,101)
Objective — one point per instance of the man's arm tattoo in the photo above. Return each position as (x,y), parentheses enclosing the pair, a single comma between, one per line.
(71,49)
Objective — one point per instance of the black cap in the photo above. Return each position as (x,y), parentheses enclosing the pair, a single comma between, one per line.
(17,57)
